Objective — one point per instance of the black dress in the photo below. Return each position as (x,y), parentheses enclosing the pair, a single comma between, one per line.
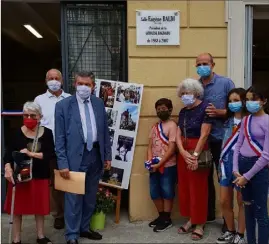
(33,197)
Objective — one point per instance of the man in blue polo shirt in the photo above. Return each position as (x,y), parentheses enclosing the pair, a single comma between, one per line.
(216,89)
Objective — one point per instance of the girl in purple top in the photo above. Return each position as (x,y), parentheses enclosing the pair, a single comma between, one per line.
(250,166)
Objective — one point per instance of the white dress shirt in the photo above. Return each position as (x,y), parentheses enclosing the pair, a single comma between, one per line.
(83,118)
(47,102)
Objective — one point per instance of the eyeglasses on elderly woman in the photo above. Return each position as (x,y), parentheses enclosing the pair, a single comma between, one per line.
(31,115)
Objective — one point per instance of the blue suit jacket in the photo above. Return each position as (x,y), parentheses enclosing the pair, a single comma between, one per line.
(69,138)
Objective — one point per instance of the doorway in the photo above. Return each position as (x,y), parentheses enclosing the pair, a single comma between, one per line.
(257,46)
(260,66)
(26,58)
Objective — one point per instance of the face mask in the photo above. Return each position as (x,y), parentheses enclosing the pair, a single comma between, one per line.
(164,115)
(253,106)
(54,85)
(235,107)
(188,100)
(30,123)
(203,70)
(84,92)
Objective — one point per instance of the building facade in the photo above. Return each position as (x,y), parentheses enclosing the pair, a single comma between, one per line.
(160,69)
(109,49)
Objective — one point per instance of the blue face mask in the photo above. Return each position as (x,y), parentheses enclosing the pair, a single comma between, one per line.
(188,99)
(203,70)
(235,107)
(253,106)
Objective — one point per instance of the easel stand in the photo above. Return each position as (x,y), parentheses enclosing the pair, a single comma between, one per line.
(117,198)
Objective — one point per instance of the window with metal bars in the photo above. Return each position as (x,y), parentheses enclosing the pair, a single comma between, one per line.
(94,39)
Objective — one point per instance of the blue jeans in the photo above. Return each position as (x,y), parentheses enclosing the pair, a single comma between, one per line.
(255,196)
(228,166)
(162,186)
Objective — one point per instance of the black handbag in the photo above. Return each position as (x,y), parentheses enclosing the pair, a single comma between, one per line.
(23,165)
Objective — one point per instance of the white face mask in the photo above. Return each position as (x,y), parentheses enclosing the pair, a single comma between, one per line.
(54,85)
(188,99)
(84,92)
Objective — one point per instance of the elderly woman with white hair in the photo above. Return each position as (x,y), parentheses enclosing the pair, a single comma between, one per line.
(194,127)
(32,197)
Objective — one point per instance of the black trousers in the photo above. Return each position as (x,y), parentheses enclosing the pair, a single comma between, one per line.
(215,147)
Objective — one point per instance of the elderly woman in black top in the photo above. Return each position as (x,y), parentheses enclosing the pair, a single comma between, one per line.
(194,127)
(32,197)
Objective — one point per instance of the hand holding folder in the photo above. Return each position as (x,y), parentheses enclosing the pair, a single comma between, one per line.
(75,184)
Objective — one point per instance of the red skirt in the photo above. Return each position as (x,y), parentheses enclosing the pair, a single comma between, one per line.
(192,188)
(31,198)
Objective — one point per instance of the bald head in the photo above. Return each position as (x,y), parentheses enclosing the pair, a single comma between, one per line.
(205,58)
(54,74)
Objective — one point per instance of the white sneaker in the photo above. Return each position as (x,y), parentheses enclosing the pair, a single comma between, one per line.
(226,238)
(238,240)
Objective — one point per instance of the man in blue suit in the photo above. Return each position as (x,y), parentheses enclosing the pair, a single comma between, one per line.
(83,145)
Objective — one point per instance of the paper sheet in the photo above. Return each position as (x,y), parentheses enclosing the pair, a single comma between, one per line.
(75,184)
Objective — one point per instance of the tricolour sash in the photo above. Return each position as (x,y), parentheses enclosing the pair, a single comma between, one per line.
(161,134)
(254,144)
(227,148)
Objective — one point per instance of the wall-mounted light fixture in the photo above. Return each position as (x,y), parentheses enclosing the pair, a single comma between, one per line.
(33,31)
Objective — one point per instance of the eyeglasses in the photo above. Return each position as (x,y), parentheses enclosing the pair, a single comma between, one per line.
(32,116)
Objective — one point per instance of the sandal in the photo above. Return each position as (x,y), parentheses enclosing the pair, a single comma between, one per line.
(185,229)
(195,236)
(44,240)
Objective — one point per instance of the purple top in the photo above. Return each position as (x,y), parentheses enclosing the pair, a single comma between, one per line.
(260,130)
(194,118)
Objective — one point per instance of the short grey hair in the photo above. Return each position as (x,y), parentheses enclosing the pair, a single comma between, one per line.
(56,70)
(33,107)
(85,74)
(190,85)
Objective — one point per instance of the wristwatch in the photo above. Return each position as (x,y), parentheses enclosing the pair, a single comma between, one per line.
(195,154)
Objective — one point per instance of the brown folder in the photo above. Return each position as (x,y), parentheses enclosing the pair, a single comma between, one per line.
(75,184)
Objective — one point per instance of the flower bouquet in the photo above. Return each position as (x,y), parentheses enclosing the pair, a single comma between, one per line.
(105,203)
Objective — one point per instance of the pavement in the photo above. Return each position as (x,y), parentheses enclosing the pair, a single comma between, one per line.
(124,232)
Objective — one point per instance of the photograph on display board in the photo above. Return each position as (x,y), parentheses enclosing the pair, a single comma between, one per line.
(94,92)
(124,148)
(129,117)
(111,135)
(113,176)
(107,93)
(111,117)
(127,93)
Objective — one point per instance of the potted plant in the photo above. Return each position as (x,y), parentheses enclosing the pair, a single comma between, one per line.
(104,204)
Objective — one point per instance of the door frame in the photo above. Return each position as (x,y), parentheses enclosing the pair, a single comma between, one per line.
(235,17)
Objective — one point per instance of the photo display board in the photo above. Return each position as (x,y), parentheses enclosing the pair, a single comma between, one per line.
(123,103)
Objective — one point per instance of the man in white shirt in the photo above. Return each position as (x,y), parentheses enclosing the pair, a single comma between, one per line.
(47,102)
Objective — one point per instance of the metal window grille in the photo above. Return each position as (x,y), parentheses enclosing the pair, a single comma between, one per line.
(94,39)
